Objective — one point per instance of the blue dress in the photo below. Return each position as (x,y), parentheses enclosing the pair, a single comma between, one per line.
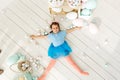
(58,47)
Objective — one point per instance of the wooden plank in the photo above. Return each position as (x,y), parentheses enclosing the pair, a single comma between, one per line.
(114,4)
(90,55)
(98,55)
(110,17)
(13,16)
(87,45)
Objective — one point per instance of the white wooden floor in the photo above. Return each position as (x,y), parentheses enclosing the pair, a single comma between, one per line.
(98,54)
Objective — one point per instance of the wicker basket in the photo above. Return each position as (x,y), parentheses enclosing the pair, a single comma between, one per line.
(24,66)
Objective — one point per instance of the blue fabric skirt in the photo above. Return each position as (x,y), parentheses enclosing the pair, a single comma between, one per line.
(59,51)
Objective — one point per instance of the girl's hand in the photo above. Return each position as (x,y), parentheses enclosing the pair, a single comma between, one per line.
(32,36)
(78,28)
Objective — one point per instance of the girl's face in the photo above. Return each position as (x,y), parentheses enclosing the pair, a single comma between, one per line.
(55,28)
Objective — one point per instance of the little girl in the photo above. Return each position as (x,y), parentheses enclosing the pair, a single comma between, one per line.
(58,47)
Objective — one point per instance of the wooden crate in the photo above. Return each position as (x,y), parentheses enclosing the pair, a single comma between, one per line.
(62,12)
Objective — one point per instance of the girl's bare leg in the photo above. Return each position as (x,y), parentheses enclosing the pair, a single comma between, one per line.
(70,60)
(49,67)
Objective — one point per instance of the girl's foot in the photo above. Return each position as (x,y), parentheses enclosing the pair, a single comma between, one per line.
(41,77)
(85,73)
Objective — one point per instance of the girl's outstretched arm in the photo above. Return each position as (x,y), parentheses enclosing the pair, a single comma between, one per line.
(73,29)
(38,36)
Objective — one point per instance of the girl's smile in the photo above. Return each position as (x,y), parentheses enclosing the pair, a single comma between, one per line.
(55,28)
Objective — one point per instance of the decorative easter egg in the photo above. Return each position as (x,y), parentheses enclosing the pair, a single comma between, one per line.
(73,3)
(71,15)
(86,12)
(93,28)
(80,22)
(57,9)
(90,4)
(55,3)
(83,1)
